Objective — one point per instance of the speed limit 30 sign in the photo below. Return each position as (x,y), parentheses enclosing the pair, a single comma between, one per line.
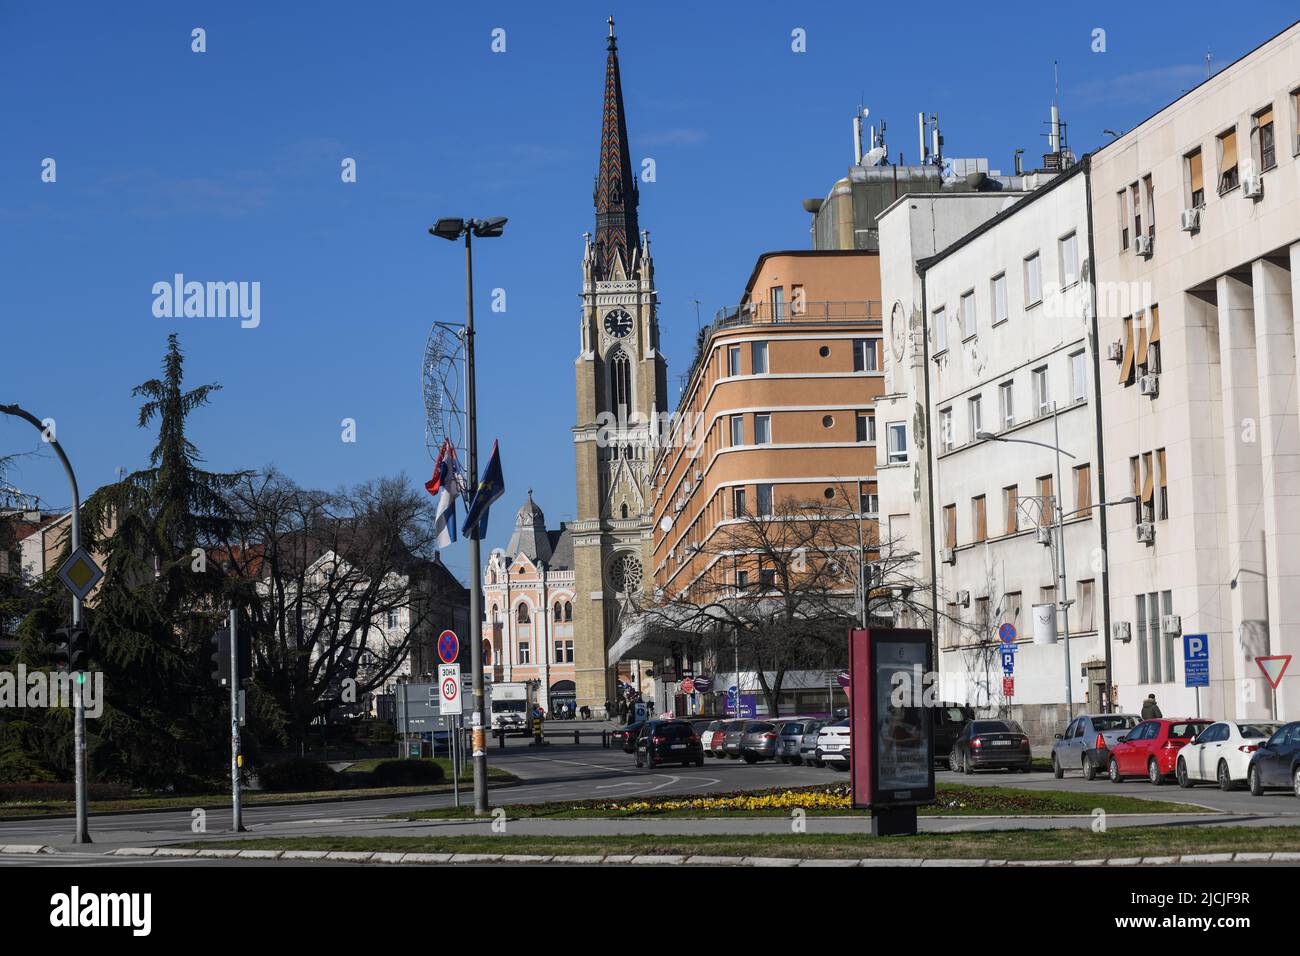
(449,697)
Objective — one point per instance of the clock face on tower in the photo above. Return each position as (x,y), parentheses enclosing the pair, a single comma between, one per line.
(618,323)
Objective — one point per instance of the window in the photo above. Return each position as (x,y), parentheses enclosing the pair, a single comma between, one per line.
(742,580)
(758,358)
(1135,197)
(1261,139)
(764,499)
(1033,280)
(1194,168)
(393,618)
(1135,483)
(940,330)
(1227,160)
(1078,377)
(559,611)
(950,526)
(767,578)
(983,620)
(1011,508)
(621,379)
(1069,250)
(866,427)
(559,652)
(999,298)
(1148,497)
(968,315)
(1042,392)
(864,355)
(762,429)
(896,435)
(1153,340)
(979,518)
(1162,501)
(1128,370)
(975,409)
(1083,491)
(869,500)
(778,303)
(1007,403)
(737,502)
(1011,605)
(1149,203)
(1123,219)
(521,614)
(733,360)
(737,430)
(946,437)
(525,656)
(568,610)
(1295,122)
(1086,604)
(1045,496)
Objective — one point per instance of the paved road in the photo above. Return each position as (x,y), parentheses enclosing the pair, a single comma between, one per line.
(565,772)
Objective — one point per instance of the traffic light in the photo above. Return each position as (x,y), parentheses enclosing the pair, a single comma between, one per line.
(72,648)
(221,658)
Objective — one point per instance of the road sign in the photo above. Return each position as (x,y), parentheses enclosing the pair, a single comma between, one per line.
(1008,686)
(688,686)
(448,647)
(1196,660)
(731,691)
(843,679)
(1274,667)
(1008,661)
(1007,633)
(449,698)
(80,573)
(703,684)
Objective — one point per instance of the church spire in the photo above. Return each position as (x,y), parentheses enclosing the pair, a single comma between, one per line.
(616,192)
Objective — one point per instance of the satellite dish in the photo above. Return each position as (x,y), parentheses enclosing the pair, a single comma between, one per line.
(666,523)
(865,112)
(874,156)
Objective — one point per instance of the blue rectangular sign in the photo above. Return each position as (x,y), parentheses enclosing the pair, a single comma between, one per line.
(1196,660)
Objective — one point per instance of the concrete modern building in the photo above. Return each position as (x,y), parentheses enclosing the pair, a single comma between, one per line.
(621,385)
(528,600)
(777,408)
(1196,218)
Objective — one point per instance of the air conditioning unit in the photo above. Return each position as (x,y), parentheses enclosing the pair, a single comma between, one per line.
(963,598)
(949,556)
(1149,385)
(1043,535)
(1252,186)
(1171,624)
(1146,532)
(1115,351)
(1121,631)
(1144,246)
(1191,219)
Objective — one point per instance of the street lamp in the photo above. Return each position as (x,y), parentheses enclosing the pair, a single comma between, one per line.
(451,230)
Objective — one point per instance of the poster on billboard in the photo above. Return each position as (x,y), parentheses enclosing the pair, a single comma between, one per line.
(891,737)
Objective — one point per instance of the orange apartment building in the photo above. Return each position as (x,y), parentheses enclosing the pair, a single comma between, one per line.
(779,405)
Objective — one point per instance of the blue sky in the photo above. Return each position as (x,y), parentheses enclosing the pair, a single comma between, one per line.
(225,166)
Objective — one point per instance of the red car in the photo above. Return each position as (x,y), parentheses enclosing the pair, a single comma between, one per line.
(1151,748)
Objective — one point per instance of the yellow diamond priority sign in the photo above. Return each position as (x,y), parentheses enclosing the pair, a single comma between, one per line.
(80,573)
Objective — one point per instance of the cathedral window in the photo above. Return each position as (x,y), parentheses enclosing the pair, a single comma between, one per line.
(521,613)
(620,379)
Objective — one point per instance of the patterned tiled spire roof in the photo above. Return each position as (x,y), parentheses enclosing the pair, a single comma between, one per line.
(616,192)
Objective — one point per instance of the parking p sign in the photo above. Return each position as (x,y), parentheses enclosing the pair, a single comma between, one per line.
(1196,660)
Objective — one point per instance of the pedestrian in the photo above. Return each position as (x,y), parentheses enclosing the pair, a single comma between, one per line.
(1150,708)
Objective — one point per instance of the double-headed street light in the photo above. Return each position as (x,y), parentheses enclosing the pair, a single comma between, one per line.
(451,230)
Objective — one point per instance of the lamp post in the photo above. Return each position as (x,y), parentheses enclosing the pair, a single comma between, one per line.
(451,230)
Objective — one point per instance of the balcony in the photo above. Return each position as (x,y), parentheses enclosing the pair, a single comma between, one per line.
(769,313)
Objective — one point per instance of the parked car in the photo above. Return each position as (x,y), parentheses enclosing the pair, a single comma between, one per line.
(949,721)
(991,744)
(1151,748)
(1087,741)
(759,742)
(790,737)
(706,738)
(668,741)
(735,731)
(718,745)
(1222,752)
(625,737)
(833,744)
(1276,763)
(808,744)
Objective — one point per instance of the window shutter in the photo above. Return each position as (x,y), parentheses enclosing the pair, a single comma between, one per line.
(1197,173)
(1126,371)
(1154,312)
(1148,482)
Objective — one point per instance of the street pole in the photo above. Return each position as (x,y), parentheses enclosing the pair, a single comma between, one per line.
(1060,551)
(82,834)
(478,717)
(236,808)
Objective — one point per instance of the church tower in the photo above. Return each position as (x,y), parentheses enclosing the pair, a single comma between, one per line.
(621,380)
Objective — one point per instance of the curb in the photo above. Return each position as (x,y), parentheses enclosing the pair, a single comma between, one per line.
(440,859)
(27,848)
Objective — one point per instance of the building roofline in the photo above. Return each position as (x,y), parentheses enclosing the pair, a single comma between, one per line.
(802,253)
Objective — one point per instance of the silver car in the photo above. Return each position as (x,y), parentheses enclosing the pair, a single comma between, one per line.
(808,744)
(1087,742)
(790,740)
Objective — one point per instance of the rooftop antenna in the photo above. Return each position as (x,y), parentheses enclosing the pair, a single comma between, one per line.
(1054,137)
(861,113)
(1207,62)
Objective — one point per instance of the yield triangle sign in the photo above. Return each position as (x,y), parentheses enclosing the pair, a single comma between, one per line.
(1274,667)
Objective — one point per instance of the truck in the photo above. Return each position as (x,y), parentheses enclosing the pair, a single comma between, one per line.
(508,705)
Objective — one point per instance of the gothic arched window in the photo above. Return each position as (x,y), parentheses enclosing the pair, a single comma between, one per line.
(620,379)
(568,611)
(521,613)
(559,611)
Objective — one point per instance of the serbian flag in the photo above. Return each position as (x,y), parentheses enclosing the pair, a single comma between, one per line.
(446,485)
(492,487)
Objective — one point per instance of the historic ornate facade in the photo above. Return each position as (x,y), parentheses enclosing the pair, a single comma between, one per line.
(621,384)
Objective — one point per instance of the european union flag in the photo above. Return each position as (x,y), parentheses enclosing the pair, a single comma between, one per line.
(492,487)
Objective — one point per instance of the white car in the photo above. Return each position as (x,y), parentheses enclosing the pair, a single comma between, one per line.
(1221,752)
(833,744)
